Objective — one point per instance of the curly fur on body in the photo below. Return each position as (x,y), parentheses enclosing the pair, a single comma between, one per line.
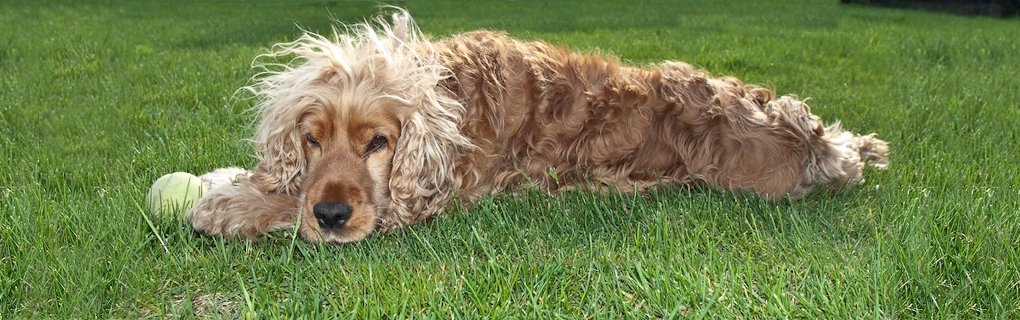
(384,128)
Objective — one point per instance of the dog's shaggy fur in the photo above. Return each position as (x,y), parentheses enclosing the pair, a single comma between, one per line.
(384,128)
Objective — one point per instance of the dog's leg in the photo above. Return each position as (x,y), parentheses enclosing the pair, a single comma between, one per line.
(737,137)
(726,136)
(242,210)
(873,151)
(833,158)
(222,177)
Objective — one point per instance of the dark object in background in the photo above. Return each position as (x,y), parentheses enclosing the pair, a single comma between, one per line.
(1002,8)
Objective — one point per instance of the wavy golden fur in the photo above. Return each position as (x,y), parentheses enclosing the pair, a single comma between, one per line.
(379,128)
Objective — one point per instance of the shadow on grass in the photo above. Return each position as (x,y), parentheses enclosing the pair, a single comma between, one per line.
(534,221)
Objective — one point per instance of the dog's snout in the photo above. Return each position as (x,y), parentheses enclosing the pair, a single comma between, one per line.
(332,215)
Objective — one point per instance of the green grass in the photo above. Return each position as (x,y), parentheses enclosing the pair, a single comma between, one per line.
(100,98)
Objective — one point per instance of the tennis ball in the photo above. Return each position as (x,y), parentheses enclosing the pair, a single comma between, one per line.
(174,194)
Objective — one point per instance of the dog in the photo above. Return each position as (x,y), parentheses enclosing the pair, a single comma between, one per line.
(378,128)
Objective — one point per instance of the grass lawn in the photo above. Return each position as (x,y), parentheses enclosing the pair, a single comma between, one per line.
(99,98)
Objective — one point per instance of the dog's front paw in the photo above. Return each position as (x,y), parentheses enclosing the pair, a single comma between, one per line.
(242,210)
(211,215)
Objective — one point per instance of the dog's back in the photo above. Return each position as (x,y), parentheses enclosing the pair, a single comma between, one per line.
(545,115)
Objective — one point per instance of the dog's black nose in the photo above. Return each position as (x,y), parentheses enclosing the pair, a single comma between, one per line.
(332,215)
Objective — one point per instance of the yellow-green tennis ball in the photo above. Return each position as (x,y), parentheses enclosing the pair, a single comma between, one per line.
(174,194)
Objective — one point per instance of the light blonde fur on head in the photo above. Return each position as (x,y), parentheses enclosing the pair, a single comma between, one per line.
(363,66)
(384,125)
(366,62)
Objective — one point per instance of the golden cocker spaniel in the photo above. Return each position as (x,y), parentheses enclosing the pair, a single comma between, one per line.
(378,128)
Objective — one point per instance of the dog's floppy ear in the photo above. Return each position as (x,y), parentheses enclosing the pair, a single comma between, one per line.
(278,139)
(284,92)
(423,180)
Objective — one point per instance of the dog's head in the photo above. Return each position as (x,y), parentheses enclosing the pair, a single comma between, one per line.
(355,127)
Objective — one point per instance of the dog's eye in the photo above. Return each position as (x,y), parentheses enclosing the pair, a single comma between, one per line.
(377,143)
(311,140)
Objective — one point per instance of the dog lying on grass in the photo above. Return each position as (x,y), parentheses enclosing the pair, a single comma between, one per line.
(379,128)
